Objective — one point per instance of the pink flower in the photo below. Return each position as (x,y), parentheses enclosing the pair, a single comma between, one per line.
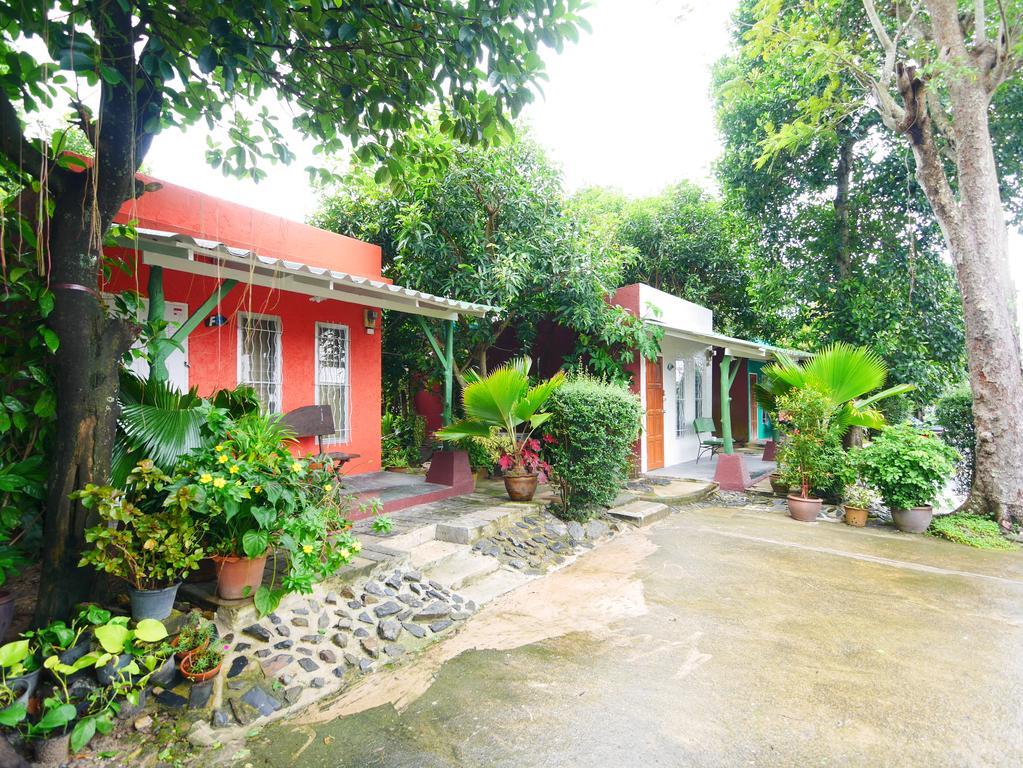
(505,462)
(549,439)
(533,444)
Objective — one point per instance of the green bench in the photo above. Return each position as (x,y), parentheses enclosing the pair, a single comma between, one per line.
(709,444)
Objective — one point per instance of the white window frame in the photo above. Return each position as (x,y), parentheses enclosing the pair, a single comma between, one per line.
(699,397)
(344,434)
(681,424)
(279,379)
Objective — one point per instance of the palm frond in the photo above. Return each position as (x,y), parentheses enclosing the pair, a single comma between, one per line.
(898,389)
(845,372)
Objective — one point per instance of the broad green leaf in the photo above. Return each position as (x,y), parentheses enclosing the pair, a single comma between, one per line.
(150,631)
(112,637)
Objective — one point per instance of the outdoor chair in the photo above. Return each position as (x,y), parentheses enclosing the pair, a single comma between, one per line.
(709,444)
(318,421)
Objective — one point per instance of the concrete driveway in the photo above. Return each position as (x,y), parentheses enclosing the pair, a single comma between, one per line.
(720,637)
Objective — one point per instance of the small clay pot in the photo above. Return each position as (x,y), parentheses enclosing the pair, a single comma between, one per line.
(521,487)
(915,520)
(855,516)
(804,510)
(198,677)
(180,655)
(239,577)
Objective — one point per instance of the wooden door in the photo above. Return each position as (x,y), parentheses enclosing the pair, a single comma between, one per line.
(655,414)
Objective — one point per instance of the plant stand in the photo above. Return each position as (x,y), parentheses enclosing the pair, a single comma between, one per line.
(731,473)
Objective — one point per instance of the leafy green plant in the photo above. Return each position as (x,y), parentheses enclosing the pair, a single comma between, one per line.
(971,530)
(252,495)
(954,412)
(860,496)
(144,536)
(811,455)
(906,466)
(504,399)
(205,660)
(382,524)
(57,636)
(841,372)
(17,658)
(590,440)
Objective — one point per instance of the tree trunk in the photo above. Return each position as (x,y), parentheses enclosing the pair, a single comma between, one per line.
(86,371)
(975,233)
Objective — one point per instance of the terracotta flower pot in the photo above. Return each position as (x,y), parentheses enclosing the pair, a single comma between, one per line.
(855,516)
(239,577)
(520,487)
(804,510)
(198,677)
(915,520)
(180,655)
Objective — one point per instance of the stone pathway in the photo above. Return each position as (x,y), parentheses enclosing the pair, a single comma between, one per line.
(540,542)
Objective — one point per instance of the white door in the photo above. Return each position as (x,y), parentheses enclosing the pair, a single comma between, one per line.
(174,313)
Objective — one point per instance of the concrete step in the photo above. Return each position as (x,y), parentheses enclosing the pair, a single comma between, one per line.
(463,569)
(494,585)
(433,553)
(469,528)
(641,513)
(678,492)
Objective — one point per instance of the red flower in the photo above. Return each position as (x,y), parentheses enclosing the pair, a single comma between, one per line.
(549,439)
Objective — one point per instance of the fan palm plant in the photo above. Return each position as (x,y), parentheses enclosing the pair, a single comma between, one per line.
(504,399)
(845,373)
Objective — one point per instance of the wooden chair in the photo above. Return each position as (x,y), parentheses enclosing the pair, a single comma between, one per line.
(318,421)
(709,444)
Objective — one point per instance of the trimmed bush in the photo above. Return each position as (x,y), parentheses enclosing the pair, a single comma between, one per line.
(595,425)
(954,412)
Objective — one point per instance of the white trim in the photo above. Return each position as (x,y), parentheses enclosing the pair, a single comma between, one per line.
(280,350)
(345,437)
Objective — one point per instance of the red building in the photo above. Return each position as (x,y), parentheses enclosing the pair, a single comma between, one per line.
(292,310)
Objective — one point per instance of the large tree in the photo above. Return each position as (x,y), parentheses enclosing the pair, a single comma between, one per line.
(846,247)
(358,72)
(492,227)
(936,73)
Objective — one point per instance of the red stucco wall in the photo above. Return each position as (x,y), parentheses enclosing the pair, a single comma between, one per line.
(213,352)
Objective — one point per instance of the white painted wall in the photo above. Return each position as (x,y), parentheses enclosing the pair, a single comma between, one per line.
(674,312)
(680,360)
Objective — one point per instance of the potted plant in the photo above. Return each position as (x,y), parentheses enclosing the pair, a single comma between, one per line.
(68,643)
(908,468)
(129,654)
(857,501)
(196,634)
(504,399)
(203,665)
(778,484)
(19,668)
(254,496)
(811,454)
(143,537)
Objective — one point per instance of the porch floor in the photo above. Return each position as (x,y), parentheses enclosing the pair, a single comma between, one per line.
(398,490)
(704,469)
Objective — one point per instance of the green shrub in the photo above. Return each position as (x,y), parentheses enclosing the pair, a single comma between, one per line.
(954,412)
(906,466)
(971,530)
(484,452)
(896,410)
(811,457)
(594,425)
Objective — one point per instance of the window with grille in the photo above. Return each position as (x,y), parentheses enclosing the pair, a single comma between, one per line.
(681,423)
(332,376)
(698,366)
(259,358)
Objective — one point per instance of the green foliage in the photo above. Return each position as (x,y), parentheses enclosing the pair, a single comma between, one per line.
(811,455)
(971,530)
(382,524)
(595,425)
(401,439)
(504,400)
(491,225)
(149,540)
(845,374)
(907,467)
(860,496)
(195,632)
(27,394)
(252,494)
(865,267)
(485,452)
(954,412)
(205,660)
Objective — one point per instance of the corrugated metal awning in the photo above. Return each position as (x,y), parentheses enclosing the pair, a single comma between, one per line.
(210,258)
(753,350)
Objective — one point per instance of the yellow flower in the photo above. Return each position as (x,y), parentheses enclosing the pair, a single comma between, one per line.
(222,458)
(205,477)
(219,448)
(308,549)
(328,487)
(234,469)
(258,489)
(344,553)
(296,466)
(356,546)
(219,482)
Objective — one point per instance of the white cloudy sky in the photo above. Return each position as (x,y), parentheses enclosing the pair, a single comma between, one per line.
(628,107)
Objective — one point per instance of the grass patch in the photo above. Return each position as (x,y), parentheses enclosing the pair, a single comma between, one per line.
(971,530)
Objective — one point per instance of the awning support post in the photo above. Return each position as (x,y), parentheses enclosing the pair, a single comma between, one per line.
(727,378)
(446,358)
